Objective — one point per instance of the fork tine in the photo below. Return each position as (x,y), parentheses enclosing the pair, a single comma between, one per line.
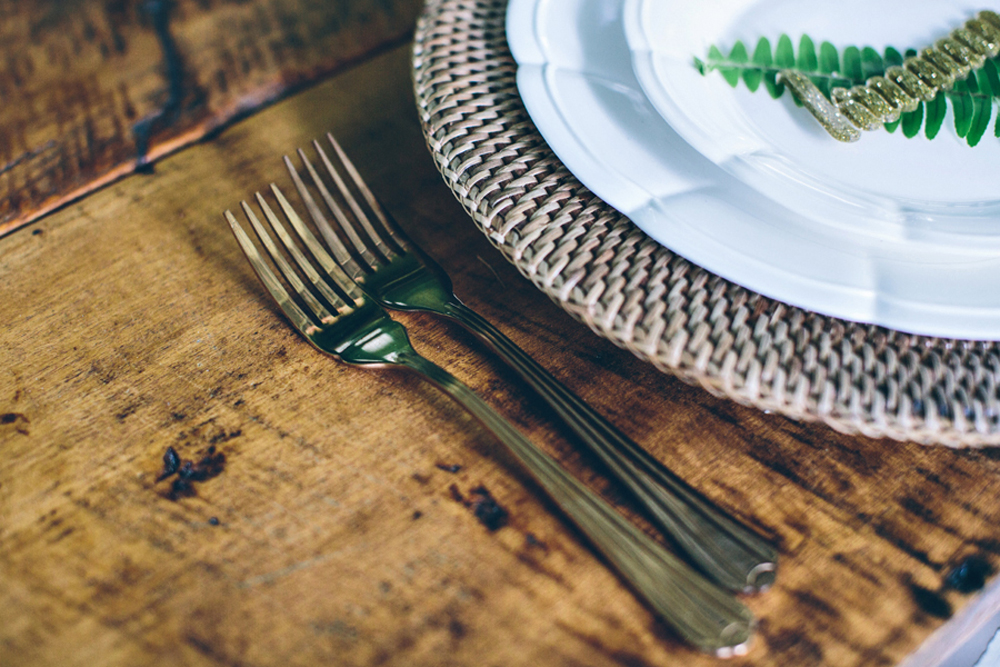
(345,191)
(352,234)
(321,285)
(336,246)
(271,282)
(376,208)
(331,267)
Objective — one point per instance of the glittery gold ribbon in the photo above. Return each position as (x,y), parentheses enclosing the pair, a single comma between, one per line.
(921,77)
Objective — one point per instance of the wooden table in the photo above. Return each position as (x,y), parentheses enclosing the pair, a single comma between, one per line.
(340,528)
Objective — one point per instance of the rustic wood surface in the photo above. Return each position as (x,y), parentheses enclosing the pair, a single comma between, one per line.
(336,533)
(89,90)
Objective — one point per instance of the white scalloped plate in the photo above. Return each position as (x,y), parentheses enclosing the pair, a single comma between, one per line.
(576,78)
(941,192)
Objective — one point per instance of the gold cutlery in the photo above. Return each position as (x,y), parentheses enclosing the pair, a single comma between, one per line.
(392,271)
(331,312)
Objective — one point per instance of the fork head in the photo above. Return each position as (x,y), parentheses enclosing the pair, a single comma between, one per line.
(377,254)
(327,308)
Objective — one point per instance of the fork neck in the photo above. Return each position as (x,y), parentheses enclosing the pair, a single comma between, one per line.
(408,283)
(366,337)
(455,388)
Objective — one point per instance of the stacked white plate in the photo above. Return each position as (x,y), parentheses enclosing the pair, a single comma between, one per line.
(903,233)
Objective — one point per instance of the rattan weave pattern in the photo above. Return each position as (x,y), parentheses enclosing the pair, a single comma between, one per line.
(602,269)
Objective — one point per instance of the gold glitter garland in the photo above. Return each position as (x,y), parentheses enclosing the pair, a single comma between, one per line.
(901,89)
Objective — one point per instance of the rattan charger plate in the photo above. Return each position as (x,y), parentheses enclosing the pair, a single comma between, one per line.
(601,268)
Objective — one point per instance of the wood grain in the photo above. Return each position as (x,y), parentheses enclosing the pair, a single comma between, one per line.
(133,324)
(90,90)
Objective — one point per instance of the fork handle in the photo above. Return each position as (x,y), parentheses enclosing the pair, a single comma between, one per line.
(701,612)
(729,553)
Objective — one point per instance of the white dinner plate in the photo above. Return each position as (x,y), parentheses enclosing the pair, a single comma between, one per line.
(576,78)
(941,192)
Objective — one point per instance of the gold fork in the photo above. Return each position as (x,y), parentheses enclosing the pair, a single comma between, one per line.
(333,314)
(396,274)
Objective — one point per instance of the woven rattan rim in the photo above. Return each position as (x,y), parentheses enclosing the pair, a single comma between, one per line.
(607,273)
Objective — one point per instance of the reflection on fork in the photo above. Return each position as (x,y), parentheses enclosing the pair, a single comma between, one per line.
(391,270)
(333,314)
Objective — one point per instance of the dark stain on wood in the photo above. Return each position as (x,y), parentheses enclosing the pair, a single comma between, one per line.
(17,419)
(187,471)
(969,575)
(930,602)
(223,436)
(456,628)
(533,542)
(127,412)
(180,86)
(483,505)
(485,508)
(171,463)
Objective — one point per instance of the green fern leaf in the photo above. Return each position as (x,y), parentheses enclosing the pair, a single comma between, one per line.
(980,120)
(752,78)
(751,75)
(972,86)
(762,58)
(891,127)
(912,120)
(739,53)
(961,107)
(936,109)
(893,58)
(871,63)
(996,128)
(784,55)
(829,59)
(774,89)
(762,54)
(730,74)
(784,58)
(992,75)
(852,64)
(829,63)
(739,56)
(807,60)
